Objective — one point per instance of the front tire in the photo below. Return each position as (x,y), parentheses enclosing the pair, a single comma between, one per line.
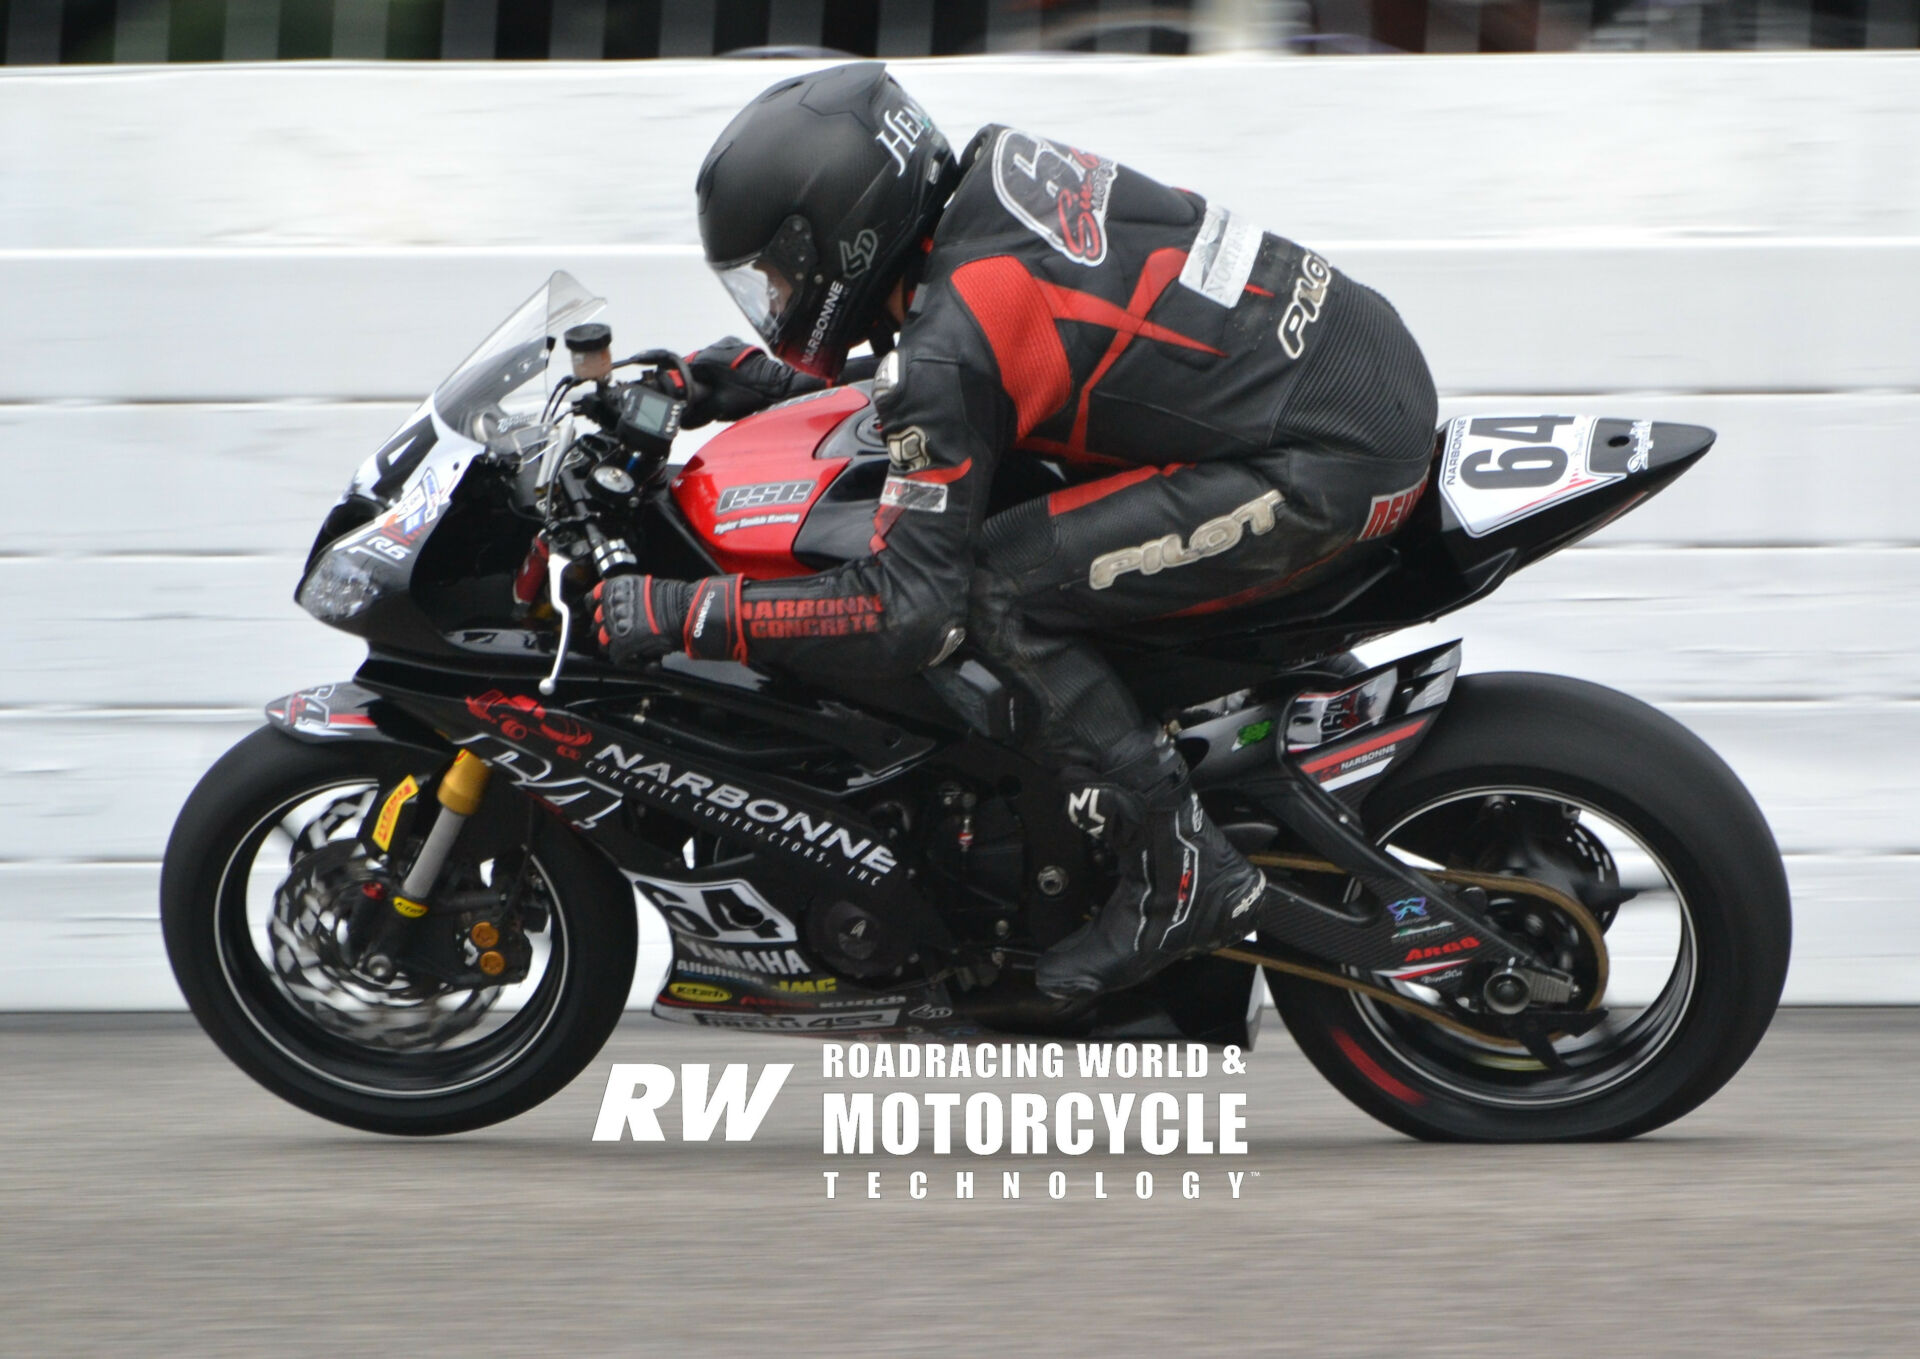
(442,1070)
(1523,745)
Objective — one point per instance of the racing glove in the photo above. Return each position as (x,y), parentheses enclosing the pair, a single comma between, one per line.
(732,380)
(642,618)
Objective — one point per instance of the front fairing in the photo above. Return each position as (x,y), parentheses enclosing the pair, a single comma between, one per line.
(491,408)
(362,580)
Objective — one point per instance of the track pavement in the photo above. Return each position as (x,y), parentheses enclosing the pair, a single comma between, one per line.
(152,1200)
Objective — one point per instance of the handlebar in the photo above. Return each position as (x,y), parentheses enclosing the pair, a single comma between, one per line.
(664,358)
(638,419)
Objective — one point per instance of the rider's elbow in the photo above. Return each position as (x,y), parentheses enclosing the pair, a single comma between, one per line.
(924,641)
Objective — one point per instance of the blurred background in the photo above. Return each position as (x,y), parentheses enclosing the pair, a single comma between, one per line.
(238,241)
(44,31)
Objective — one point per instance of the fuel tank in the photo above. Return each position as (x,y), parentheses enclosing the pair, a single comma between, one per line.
(791,490)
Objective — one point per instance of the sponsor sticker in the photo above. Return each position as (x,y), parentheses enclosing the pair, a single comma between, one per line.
(810,986)
(900,132)
(700,967)
(856,255)
(768,962)
(418,508)
(1210,539)
(1084,810)
(1642,436)
(1252,734)
(311,711)
(389,817)
(699,993)
(517,715)
(753,521)
(1388,512)
(1303,309)
(1221,259)
(841,616)
(920,496)
(761,495)
(836,290)
(1056,191)
(1363,759)
(594,783)
(1419,960)
(834,1023)
(807,832)
(392,536)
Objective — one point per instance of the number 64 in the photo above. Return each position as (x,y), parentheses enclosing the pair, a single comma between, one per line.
(1514,467)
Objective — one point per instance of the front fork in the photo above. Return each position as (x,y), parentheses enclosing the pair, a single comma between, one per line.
(461,788)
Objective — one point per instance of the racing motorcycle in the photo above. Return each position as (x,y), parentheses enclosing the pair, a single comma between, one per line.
(1508,907)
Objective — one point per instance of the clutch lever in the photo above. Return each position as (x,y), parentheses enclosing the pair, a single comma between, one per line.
(557,565)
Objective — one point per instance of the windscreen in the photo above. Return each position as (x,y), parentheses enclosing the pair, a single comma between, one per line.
(495,397)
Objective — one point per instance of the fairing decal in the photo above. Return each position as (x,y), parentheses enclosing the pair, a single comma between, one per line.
(1354,734)
(326,712)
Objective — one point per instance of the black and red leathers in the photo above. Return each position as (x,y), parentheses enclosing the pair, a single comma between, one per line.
(1243,412)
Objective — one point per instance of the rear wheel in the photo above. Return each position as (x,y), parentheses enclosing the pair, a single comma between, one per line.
(262,877)
(1616,804)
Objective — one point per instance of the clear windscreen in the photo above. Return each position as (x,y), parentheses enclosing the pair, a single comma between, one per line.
(497,395)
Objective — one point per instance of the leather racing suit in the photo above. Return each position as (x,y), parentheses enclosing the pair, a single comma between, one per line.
(1243,412)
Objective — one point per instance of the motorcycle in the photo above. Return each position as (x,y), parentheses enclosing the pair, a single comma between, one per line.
(1502,907)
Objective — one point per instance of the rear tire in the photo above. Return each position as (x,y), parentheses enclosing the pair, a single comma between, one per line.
(1640,769)
(238,1003)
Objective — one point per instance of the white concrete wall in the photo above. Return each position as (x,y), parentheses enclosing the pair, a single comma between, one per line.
(219,286)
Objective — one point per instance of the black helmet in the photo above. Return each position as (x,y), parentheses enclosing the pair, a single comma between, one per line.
(812,202)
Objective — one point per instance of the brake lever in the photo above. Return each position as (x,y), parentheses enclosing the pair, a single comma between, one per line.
(556,569)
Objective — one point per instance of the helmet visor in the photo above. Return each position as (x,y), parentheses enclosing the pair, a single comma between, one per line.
(771,284)
(764,292)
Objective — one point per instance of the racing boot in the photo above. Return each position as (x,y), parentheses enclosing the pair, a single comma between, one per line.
(1183,888)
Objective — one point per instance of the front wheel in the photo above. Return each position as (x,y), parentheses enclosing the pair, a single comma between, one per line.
(262,877)
(1561,781)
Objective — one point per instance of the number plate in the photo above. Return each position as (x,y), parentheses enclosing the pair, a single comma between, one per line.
(1498,469)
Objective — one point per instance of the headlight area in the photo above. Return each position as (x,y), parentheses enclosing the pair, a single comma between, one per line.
(337,589)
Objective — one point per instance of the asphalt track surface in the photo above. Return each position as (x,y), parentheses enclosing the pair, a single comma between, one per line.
(154,1201)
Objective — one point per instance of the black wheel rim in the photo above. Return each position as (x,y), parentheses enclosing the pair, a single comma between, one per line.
(1653,986)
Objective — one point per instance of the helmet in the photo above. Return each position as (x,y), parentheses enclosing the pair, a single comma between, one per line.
(812,203)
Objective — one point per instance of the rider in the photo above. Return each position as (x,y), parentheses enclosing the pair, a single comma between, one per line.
(1241,412)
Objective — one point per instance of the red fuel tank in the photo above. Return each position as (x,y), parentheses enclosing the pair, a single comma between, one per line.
(750,490)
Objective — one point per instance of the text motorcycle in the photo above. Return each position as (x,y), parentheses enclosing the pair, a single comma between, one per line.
(1507,907)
